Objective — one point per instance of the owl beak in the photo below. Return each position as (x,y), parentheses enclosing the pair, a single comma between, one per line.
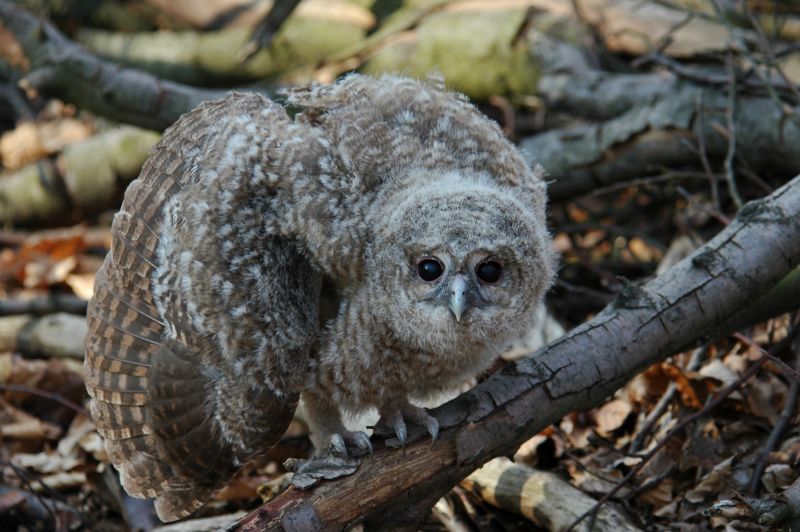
(458,296)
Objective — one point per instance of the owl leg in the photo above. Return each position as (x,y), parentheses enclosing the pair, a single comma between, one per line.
(331,441)
(394,418)
(328,433)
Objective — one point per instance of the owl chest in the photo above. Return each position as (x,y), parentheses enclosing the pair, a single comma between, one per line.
(413,373)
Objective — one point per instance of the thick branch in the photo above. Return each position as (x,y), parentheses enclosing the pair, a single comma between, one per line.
(86,177)
(61,68)
(579,371)
(650,122)
(203,58)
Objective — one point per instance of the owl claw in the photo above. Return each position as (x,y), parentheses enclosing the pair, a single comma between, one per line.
(362,441)
(341,441)
(395,420)
(433,428)
(337,446)
(400,430)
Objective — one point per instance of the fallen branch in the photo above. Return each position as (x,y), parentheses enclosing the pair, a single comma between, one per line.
(42,305)
(207,57)
(543,497)
(646,324)
(268,26)
(88,176)
(59,67)
(54,335)
(647,123)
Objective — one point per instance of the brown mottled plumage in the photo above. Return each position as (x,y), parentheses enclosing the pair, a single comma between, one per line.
(383,245)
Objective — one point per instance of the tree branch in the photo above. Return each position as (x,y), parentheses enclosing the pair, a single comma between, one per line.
(646,324)
(648,122)
(61,68)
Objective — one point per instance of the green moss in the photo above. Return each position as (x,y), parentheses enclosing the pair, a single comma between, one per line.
(474,50)
(203,58)
(30,195)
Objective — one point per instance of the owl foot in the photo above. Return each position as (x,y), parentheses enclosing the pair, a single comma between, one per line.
(309,472)
(331,464)
(340,442)
(395,418)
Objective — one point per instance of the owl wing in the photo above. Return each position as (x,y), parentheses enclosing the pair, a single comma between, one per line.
(164,397)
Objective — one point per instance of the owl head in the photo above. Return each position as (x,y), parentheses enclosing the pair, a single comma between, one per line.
(465,264)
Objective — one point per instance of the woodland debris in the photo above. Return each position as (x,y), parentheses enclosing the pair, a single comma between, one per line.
(31,141)
(53,335)
(59,66)
(543,497)
(87,176)
(307,38)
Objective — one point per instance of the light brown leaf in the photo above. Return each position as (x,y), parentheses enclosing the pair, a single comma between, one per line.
(612,415)
(713,484)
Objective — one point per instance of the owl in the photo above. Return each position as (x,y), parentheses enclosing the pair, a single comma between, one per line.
(381,245)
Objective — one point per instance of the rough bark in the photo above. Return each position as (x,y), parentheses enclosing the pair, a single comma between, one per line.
(646,324)
(649,122)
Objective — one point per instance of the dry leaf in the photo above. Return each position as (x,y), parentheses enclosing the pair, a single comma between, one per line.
(642,252)
(716,369)
(778,477)
(21,146)
(82,284)
(93,444)
(46,462)
(658,496)
(30,429)
(713,484)
(42,262)
(766,397)
(685,389)
(78,429)
(31,141)
(11,51)
(610,417)
(61,481)
(594,484)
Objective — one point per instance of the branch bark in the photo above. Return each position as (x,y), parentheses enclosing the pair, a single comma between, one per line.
(646,324)
(61,68)
(204,58)
(86,177)
(646,123)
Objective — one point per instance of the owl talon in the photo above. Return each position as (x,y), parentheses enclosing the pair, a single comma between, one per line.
(338,447)
(433,428)
(400,430)
(358,443)
(419,416)
(362,441)
(394,420)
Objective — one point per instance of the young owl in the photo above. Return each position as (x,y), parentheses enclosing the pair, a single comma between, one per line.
(384,244)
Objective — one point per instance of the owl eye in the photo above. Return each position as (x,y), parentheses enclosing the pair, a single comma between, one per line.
(489,271)
(429,269)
